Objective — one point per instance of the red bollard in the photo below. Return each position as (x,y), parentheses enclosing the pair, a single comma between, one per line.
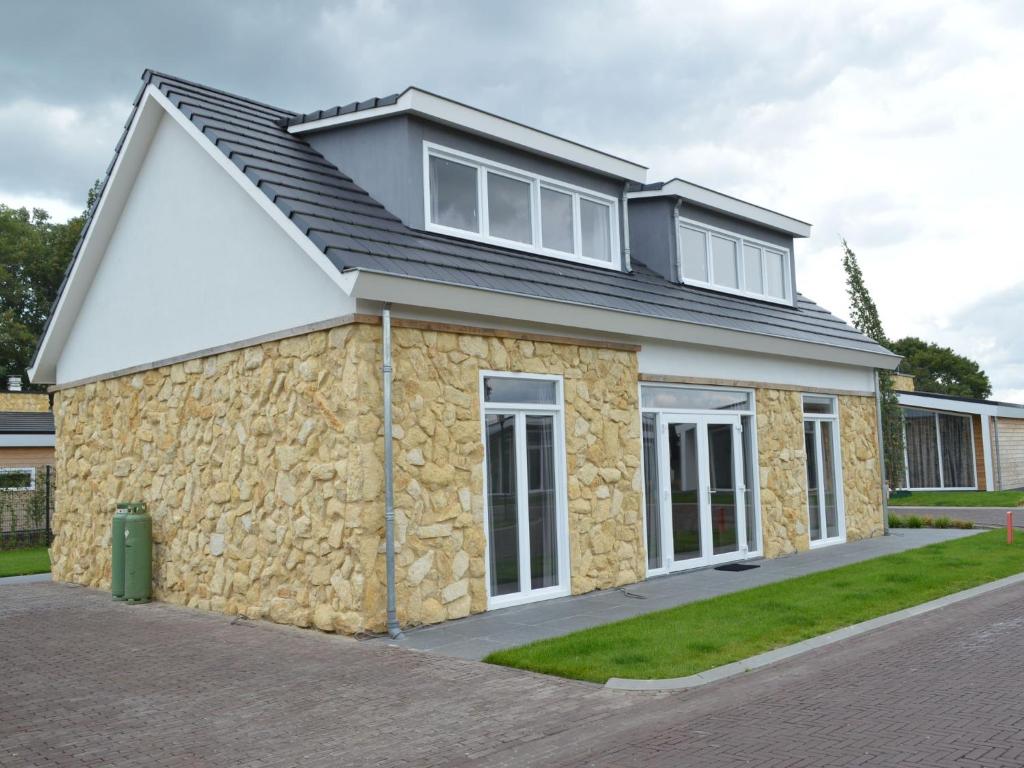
(1009,526)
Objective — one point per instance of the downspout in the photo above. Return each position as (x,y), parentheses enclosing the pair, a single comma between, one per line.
(881,455)
(389,480)
(627,264)
(999,460)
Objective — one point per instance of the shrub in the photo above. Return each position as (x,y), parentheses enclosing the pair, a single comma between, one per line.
(913,521)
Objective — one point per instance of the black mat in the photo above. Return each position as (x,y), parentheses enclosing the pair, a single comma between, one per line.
(736,567)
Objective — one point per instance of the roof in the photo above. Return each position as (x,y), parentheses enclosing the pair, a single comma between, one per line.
(416,101)
(731,206)
(356,232)
(959,399)
(24,423)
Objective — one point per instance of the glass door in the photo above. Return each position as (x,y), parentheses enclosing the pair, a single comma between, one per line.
(527,557)
(703,511)
(824,478)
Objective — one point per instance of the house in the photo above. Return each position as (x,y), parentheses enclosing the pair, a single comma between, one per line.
(587,379)
(960,443)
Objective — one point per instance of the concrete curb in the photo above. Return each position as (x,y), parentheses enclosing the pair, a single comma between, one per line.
(787,652)
(29,579)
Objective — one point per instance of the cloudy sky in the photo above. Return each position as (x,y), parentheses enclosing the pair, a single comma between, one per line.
(899,126)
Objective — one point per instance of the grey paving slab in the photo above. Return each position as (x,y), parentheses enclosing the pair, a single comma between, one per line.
(504,628)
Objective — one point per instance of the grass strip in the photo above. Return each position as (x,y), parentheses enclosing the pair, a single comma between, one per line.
(699,636)
(1008,499)
(20,562)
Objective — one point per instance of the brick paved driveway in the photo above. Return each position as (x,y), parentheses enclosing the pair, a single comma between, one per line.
(87,682)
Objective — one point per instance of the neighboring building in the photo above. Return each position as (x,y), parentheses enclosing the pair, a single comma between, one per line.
(961,443)
(26,431)
(596,379)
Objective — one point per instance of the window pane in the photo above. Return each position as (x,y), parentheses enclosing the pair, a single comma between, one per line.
(17,479)
(775,274)
(502,508)
(684,485)
(502,389)
(508,208)
(453,195)
(695,259)
(813,500)
(750,479)
(725,529)
(652,493)
(957,451)
(828,478)
(752,269)
(595,228)
(540,449)
(814,404)
(723,253)
(556,220)
(922,449)
(685,399)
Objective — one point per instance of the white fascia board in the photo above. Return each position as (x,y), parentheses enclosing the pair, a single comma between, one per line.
(912,400)
(732,206)
(628,327)
(152,106)
(466,118)
(27,441)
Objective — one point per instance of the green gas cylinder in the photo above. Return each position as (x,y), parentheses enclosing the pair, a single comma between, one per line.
(117,550)
(138,555)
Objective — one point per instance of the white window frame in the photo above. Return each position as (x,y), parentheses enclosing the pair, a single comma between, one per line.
(741,242)
(30,471)
(484,166)
(660,413)
(938,446)
(837,462)
(521,410)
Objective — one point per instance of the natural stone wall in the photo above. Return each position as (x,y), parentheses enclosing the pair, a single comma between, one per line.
(24,402)
(780,439)
(780,446)
(263,470)
(862,483)
(902,382)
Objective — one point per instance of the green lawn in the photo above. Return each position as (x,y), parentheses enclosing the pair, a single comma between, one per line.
(698,636)
(18,562)
(1007,499)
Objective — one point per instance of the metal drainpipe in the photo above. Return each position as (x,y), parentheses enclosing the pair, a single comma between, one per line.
(389,481)
(881,455)
(627,263)
(998,474)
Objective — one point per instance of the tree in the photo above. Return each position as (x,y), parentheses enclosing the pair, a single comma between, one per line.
(34,253)
(940,369)
(865,318)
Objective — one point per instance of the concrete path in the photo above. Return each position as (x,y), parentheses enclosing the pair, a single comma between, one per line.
(476,636)
(985,517)
(90,682)
(30,579)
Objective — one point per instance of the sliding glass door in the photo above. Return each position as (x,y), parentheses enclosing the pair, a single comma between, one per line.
(939,450)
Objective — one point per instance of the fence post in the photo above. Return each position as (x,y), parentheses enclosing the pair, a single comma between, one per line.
(48,537)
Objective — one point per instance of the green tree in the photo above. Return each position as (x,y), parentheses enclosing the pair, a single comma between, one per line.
(34,253)
(865,318)
(940,369)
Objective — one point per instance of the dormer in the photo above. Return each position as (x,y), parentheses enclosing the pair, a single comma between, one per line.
(447,168)
(696,236)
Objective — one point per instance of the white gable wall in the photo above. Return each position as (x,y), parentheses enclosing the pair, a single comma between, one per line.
(194,263)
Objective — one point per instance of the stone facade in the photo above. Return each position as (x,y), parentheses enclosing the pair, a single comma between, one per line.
(24,402)
(263,471)
(780,439)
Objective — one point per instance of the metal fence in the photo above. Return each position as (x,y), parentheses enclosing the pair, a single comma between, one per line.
(26,506)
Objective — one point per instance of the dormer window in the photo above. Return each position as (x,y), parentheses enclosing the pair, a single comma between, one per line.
(479,199)
(725,261)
